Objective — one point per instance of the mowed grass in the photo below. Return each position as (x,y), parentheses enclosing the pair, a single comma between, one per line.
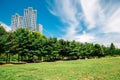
(91,69)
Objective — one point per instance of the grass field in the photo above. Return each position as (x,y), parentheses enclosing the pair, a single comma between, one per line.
(92,69)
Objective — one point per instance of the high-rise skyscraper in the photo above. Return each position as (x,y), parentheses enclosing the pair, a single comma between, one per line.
(28,21)
(16,22)
(30,18)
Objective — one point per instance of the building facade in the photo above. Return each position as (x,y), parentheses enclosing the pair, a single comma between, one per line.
(39,27)
(16,22)
(30,18)
(27,21)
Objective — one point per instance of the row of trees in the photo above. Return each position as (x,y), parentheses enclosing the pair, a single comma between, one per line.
(25,45)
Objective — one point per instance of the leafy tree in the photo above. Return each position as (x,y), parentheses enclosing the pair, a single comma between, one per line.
(64,50)
(31,45)
(37,44)
(112,49)
(2,30)
(98,50)
(74,50)
(9,46)
(3,37)
(23,41)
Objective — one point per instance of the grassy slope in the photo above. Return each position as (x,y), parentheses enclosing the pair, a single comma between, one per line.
(93,69)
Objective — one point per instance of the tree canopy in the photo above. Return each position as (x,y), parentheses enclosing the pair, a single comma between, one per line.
(26,45)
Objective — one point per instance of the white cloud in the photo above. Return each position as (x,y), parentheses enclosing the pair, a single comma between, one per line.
(85,37)
(67,12)
(7,28)
(113,22)
(91,11)
(101,19)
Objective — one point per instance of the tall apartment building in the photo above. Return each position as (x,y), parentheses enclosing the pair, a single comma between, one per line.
(27,21)
(16,22)
(30,18)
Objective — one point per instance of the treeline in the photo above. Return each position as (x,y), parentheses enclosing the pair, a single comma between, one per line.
(25,45)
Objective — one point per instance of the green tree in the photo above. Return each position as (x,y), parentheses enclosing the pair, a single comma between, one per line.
(64,48)
(112,49)
(2,30)
(3,36)
(24,42)
(74,50)
(37,44)
(98,50)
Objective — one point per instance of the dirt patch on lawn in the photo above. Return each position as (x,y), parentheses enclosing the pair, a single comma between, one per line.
(4,63)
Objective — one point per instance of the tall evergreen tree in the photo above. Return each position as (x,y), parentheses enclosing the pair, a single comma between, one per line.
(112,49)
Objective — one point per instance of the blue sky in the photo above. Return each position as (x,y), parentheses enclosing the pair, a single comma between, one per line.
(96,21)
(50,22)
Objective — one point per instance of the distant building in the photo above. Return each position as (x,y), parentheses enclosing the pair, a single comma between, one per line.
(30,19)
(39,28)
(27,21)
(16,22)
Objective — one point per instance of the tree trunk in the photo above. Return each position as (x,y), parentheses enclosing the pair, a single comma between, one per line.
(9,57)
(6,57)
(39,57)
(33,58)
(21,58)
(42,59)
(18,57)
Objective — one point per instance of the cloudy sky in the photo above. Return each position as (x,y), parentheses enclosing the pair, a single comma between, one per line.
(96,21)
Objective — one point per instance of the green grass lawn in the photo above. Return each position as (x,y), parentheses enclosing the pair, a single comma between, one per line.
(92,69)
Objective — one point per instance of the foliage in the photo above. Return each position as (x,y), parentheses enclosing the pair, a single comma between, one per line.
(33,46)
